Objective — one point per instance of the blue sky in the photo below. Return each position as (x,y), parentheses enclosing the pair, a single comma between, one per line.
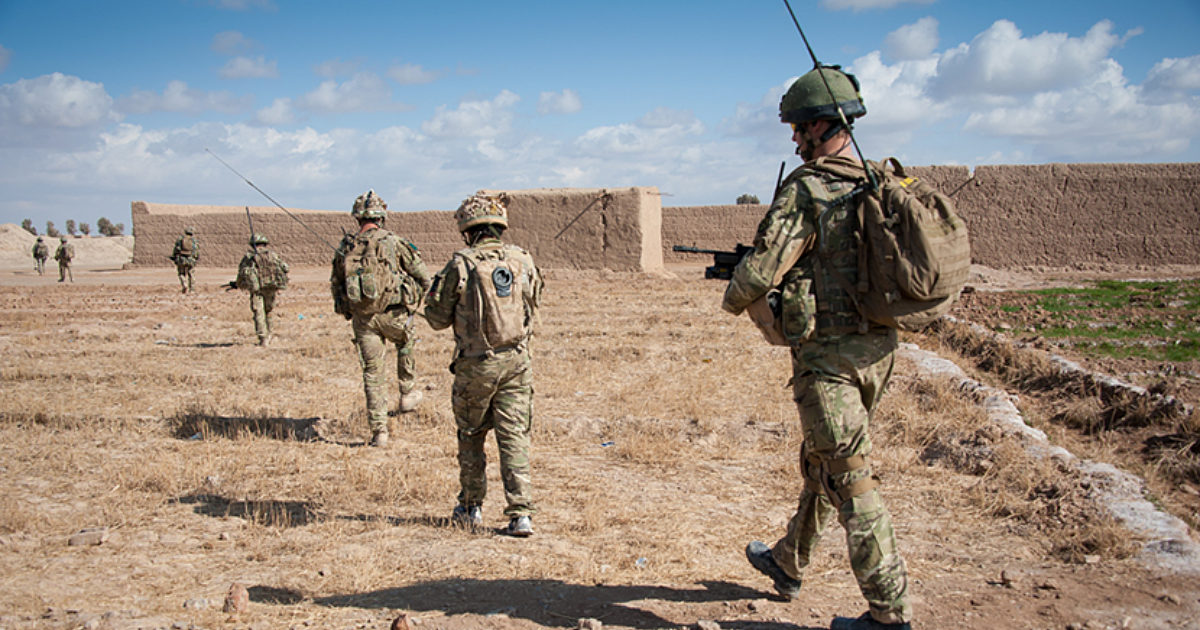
(103,103)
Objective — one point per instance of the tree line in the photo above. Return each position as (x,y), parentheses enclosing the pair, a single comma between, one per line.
(103,226)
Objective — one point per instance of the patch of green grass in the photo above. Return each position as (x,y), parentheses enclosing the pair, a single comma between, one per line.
(1120,319)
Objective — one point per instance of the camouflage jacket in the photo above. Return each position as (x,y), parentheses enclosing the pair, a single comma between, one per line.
(803,262)
(178,255)
(65,253)
(40,251)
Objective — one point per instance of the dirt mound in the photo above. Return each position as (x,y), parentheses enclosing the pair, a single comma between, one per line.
(90,251)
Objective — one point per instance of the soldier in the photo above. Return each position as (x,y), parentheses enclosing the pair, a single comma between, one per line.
(263,273)
(840,363)
(490,293)
(40,253)
(378,281)
(64,254)
(186,254)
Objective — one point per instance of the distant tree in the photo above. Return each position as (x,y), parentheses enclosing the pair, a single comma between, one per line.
(52,231)
(118,229)
(71,227)
(747,199)
(85,228)
(104,227)
(27,225)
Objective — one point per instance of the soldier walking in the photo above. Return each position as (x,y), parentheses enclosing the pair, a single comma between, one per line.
(378,281)
(40,253)
(490,293)
(64,255)
(840,363)
(186,254)
(263,273)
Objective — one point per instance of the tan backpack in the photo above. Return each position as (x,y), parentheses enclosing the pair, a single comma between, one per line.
(262,271)
(370,269)
(497,298)
(916,255)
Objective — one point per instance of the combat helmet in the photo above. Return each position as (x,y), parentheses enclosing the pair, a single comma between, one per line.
(809,99)
(369,206)
(39,238)
(189,230)
(258,239)
(481,209)
(63,239)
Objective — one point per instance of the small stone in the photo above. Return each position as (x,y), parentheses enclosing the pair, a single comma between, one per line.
(1006,580)
(88,537)
(1169,598)
(196,604)
(1091,558)
(752,606)
(237,600)
(587,623)
(708,625)
(401,623)
(223,536)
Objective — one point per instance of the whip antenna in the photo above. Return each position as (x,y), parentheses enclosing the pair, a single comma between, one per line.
(277,204)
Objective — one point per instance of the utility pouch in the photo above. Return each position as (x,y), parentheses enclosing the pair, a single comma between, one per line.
(799,310)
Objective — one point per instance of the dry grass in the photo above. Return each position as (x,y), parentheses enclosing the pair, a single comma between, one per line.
(664,439)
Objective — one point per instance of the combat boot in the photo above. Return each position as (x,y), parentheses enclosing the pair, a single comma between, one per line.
(866,622)
(760,558)
(467,517)
(379,439)
(409,401)
(519,526)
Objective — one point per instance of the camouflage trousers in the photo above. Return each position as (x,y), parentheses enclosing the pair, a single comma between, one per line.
(64,272)
(836,384)
(495,393)
(261,305)
(371,334)
(39,265)
(186,280)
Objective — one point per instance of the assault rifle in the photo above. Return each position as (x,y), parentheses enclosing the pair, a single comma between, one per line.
(723,262)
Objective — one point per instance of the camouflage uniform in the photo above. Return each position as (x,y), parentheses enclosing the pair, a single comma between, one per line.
(372,332)
(40,254)
(64,254)
(493,386)
(840,367)
(262,299)
(186,254)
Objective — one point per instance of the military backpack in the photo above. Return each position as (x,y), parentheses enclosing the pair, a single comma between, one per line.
(370,267)
(497,293)
(915,255)
(262,271)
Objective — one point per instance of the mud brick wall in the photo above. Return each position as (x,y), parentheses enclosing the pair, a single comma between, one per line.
(1057,215)
(574,228)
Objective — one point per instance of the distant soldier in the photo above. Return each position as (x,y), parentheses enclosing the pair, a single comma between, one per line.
(263,273)
(186,254)
(64,254)
(378,281)
(490,293)
(40,253)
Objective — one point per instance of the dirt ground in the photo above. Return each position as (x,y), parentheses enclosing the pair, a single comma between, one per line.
(664,441)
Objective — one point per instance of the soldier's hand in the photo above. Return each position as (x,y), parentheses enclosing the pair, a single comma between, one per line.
(348,316)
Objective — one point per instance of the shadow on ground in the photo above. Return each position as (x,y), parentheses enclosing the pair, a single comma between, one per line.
(268,513)
(553,602)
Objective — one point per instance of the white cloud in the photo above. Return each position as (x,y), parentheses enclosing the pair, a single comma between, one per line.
(411,74)
(231,43)
(364,92)
(178,97)
(1174,75)
(336,68)
(55,100)
(278,113)
(912,41)
(652,133)
(475,119)
(565,102)
(1000,62)
(5,57)
(863,5)
(247,68)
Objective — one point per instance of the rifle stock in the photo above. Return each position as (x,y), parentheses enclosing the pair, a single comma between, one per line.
(723,261)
